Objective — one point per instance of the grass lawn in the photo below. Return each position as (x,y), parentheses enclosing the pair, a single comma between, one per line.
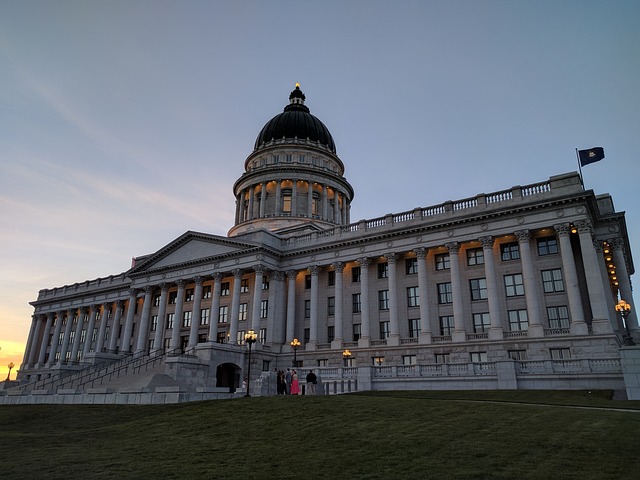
(374,435)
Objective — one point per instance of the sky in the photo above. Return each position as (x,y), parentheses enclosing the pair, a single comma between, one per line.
(124,124)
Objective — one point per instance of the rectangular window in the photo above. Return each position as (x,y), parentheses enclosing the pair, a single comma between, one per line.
(355,299)
(286,203)
(331,332)
(323,362)
(307,309)
(547,246)
(173,298)
(518,320)
(478,288)
(478,357)
(552,281)
(481,322)
(242,312)
(414,327)
(223,314)
(221,337)
(262,335)
(383,270)
(513,285)
(154,323)
(307,282)
(446,325)
(203,338)
(442,357)
(377,361)
(188,295)
(264,308)
(413,297)
(186,319)
(331,306)
(265,282)
(510,251)
(224,289)
(558,317)
(475,256)
(167,344)
(383,299)
(307,335)
(384,330)
(411,266)
(355,274)
(204,316)
(331,278)
(240,337)
(408,360)
(244,285)
(445,294)
(520,355)
(206,291)
(442,261)
(169,321)
(156,300)
(560,353)
(356,332)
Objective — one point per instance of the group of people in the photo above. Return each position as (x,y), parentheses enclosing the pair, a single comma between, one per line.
(287,382)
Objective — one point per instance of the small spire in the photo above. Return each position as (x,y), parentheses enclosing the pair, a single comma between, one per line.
(297,97)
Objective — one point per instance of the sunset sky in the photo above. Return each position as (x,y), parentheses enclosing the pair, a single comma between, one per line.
(124,124)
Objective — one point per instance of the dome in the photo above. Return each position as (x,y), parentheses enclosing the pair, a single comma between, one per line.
(295,122)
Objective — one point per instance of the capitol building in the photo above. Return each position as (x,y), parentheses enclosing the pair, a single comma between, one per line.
(515,289)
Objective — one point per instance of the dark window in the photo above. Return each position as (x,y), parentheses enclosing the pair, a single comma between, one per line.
(383,270)
(442,261)
(547,246)
(411,266)
(446,325)
(331,277)
(383,299)
(510,251)
(552,281)
(355,274)
(356,303)
(478,288)
(475,256)
(445,294)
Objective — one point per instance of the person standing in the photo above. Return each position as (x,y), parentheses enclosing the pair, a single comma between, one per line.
(311,383)
(295,387)
(287,381)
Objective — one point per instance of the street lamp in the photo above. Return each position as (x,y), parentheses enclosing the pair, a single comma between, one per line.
(346,355)
(295,343)
(624,309)
(250,339)
(11,365)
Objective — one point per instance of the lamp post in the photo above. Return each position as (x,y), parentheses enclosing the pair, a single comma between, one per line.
(11,365)
(250,339)
(295,343)
(346,355)
(624,309)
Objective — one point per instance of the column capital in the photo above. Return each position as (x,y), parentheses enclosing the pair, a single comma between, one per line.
(523,235)
(487,241)
(259,268)
(180,283)
(364,262)
(106,305)
(133,292)
(616,243)
(217,276)
(421,252)
(292,274)
(391,257)
(314,269)
(562,229)
(119,303)
(164,286)
(148,289)
(453,247)
(237,273)
(198,280)
(584,226)
(338,266)
(277,275)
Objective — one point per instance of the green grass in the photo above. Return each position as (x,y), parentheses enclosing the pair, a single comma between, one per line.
(375,435)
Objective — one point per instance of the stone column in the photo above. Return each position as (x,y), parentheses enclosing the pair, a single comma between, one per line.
(276,321)
(195,314)
(125,344)
(257,297)
(143,331)
(239,201)
(365,320)
(278,211)
(496,312)
(32,342)
(263,198)
(76,339)
(92,324)
(531,285)
(115,326)
(459,330)
(56,336)
(67,335)
(215,307)
(595,283)
(251,202)
(294,197)
(325,202)
(624,283)
(336,206)
(235,306)
(578,324)
(313,318)
(309,199)
(102,330)
(339,302)
(291,305)
(45,340)
(177,316)
(158,339)
(425,320)
(394,326)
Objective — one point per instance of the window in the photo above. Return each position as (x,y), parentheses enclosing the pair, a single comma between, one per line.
(331,278)
(377,361)
(478,357)
(186,319)
(356,332)
(206,291)
(384,330)
(169,321)
(323,362)
(408,360)
(307,282)
(287,158)
(444,293)
(156,300)
(442,261)
(513,285)
(224,289)
(481,322)
(154,323)
(223,314)
(383,299)
(331,333)
(560,353)
(475,256)
(411,266)
(221,337)
(188,295)
(552,281)
(307,309)
(414,327)
(355,274)
(266,365)
(286,202)
(204,316)
(413,297)
(355,299)
(547,246)
(442,357)
(173,298)
(301,158)
(520,355)
(558,317)
(510,251)
(331,305)
(265,282)
(446,325)
(203,338)
(244,285)
(262,335)
(240,337)
(518,320)
(242,312)
(478,288)
(264,308)
(307,335)
(314,205)
(383,270)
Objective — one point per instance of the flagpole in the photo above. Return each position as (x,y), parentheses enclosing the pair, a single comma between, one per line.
(579,168)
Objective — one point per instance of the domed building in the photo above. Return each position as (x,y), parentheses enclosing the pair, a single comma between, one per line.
(515,289)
